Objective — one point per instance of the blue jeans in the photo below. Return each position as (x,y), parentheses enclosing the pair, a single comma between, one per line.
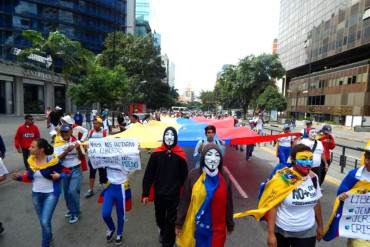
(113,195)
(45,204)
(72,187)
(283,154)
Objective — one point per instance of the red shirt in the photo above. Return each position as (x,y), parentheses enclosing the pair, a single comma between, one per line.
(328,143)
(25,135)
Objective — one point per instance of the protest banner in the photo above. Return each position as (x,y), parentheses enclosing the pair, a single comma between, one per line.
(114,152)
(355,220)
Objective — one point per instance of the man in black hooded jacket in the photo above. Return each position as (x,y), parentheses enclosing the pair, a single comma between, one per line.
(165,173)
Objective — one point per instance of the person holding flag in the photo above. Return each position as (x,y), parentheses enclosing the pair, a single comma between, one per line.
(69,152)
(164,177)
(290,203)
(357,181)
(44,173)
(205,211)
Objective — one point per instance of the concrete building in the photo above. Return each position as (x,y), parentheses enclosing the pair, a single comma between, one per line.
(171,75)
(32,89)
(324,47)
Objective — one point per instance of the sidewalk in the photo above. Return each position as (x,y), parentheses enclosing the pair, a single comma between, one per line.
(341,132)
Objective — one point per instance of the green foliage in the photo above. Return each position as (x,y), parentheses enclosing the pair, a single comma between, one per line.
(240,85)
(271,99)
(101,85)
(208,100)
(144,64)
(74,57)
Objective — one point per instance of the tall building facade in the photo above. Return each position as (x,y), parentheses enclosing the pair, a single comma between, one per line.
(142,14)
(24,90)
(324,47)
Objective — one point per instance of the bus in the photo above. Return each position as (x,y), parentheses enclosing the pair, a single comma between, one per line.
(179,108)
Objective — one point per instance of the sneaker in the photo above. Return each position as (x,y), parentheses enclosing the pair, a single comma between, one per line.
(89,193)
(118,240)
(109,236)
(73,219)
(68,215)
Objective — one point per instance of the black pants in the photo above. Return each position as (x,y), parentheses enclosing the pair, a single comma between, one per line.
(102,173)
(26,154)
(323,171)
(295,242)
(317,171)
(249,151)
(165,215)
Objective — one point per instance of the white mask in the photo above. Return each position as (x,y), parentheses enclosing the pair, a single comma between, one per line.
(169,138)
(312,134)
(212,160)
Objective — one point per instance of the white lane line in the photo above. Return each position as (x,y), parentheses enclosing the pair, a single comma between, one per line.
(235,183)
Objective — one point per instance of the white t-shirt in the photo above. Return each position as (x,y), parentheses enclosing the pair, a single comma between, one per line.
(41,184)
(106,124)
(296,213)
(71,158)
(363,174)
(286,141)
(3,170)
(319,150)
(117,175)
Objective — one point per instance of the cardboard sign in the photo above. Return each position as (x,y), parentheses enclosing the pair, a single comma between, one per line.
(355,220)
(114,152)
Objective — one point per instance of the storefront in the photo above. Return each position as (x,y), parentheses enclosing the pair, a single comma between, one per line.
(25,91)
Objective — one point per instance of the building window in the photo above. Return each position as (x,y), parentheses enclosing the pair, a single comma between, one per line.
(354,78)
(33,98)
(316,100)
(349,80)
(24,7)
(21,22)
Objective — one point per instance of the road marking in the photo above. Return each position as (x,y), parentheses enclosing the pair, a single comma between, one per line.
(328,178)
(235,183)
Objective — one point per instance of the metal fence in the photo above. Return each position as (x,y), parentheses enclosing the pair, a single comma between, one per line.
(341,158)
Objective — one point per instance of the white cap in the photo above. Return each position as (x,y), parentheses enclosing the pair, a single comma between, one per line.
(68,119)
(58,108)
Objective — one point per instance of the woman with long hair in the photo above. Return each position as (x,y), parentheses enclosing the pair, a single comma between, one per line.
(44,174)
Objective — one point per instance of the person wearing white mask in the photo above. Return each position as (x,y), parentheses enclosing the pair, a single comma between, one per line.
(164,176)
(317,150)
(205,212)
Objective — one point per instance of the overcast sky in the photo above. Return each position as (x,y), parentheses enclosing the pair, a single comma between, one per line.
(200,36)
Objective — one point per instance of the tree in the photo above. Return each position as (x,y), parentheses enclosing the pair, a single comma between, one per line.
(143,63)
(271,99)
(208,100)
(254,74)
(224,91)
(109,87)
(75,59)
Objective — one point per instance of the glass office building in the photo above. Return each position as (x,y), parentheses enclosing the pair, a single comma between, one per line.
(24,90)
(142,15)
(324,46)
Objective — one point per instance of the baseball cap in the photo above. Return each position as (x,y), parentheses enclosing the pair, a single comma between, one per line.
(58,108)
(65,128)
(68,119)
(326,129)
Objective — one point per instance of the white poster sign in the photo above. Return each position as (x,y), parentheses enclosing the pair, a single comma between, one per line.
(114,152)
(355,220)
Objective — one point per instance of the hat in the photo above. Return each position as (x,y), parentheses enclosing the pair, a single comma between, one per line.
(286,127)
(68,119)
(58,108)
(65,128)
(326,129)
(308,121)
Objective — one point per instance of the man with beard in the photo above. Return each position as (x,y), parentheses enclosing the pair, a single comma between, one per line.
(165,173)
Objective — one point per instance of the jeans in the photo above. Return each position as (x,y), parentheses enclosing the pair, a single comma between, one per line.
(165,215)
(45,204)
(113,195)
(72,187)
(26,154)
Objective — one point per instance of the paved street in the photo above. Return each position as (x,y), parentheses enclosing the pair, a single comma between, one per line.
(22,227)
